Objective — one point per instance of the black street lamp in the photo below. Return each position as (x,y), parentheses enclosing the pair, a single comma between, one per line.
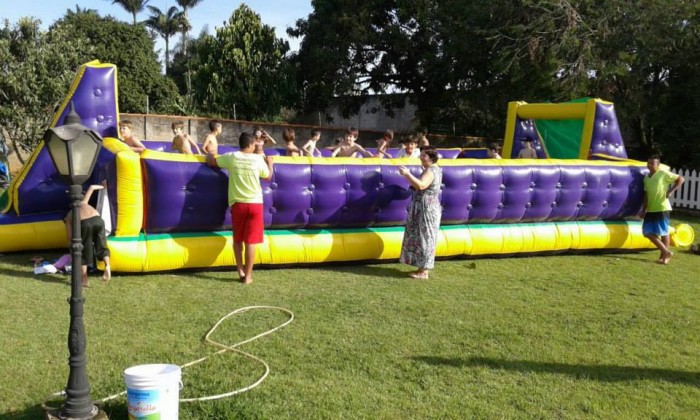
(73,149)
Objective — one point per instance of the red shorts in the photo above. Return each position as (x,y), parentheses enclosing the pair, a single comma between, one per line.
(247,221)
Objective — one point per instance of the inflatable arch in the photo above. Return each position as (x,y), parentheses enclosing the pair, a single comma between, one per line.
(168,211)
(579,129)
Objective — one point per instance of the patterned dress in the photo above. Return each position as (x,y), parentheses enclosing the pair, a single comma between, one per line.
(422,224)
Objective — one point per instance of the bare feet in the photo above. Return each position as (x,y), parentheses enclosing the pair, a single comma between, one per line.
(107,274)
(86,283)
(246,280)
(419,275)
(241,274)
(666,258)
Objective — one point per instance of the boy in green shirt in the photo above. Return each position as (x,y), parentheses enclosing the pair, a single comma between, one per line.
(245,198)
(656,208)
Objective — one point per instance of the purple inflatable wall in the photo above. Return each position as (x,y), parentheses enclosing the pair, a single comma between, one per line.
(189,196)
(95,100)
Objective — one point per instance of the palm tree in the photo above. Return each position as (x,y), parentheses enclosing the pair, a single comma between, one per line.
(186,5)
(132,6)
(166,25)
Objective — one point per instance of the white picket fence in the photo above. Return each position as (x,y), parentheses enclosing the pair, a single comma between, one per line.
(688,195)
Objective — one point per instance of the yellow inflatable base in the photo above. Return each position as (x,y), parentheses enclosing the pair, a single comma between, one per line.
(163,252)
(33,236)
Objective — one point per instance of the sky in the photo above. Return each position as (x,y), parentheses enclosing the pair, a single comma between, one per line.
(279,14)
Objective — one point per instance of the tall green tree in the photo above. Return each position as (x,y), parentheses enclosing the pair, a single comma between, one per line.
(243,65)
(182,69)
(186,6)
(36,72)
(166,25)
(132,6)
(142,86)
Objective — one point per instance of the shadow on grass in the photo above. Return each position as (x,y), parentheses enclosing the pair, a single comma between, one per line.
(115,410)
(369,270)
(27,274)
(30,413)
(603,373)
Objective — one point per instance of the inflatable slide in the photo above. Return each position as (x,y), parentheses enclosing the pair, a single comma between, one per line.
(167,211)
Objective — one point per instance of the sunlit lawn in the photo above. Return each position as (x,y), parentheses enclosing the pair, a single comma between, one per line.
(606,336)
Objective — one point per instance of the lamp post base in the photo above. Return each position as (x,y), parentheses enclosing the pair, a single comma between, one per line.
(96,414)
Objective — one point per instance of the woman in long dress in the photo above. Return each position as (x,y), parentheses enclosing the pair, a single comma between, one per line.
(424,213)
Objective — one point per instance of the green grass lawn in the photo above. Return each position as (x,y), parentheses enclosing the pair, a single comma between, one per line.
(602,336)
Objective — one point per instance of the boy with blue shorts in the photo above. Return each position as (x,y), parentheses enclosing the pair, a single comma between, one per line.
(656,208)
(245,197)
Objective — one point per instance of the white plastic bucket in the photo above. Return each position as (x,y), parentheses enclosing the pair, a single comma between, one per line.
(153,391)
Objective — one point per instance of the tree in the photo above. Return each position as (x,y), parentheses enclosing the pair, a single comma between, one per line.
(36,72)
(131,49)
(461,61)
(181,70)
(243,65)
(186,6)
(166,25)
(132,6)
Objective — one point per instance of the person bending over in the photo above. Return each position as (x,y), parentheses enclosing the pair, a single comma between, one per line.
(93,238)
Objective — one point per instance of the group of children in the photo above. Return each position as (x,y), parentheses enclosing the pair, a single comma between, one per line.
(345,146)
(182,142)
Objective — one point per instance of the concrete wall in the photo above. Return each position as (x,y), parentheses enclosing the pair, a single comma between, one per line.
(158,127)
(372,116)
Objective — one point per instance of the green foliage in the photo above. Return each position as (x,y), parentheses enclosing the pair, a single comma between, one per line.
(35,73)
(131,49)
(132,6)
(461,61)
(166,25)
(186,6)
(570,336)
(244,65)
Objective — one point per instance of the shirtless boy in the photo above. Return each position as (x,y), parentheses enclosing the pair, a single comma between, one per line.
(288,136)
(210,145)
(384,143)
(310,148)
(126,129)
(348,147)
(182,142)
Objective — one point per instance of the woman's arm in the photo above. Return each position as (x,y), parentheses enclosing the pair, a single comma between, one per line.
(421,183)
